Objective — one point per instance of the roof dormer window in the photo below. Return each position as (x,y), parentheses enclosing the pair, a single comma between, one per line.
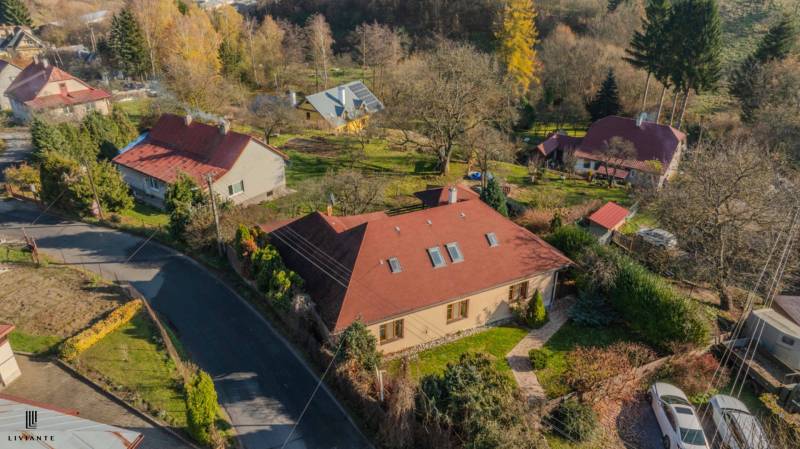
(455,252)
(436,257)
(394,265)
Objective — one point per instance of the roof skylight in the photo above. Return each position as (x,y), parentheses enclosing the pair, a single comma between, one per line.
(436,257)
(491,237)
(455,252)
(394,265)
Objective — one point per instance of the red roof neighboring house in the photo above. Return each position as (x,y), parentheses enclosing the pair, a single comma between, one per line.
(27,88)
(197,149)
(365,287)
(610,216)
(652,141)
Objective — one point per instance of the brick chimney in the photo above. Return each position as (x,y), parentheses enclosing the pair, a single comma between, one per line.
(224,127)
(452,196)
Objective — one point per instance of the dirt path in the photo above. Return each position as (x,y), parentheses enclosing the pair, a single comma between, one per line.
(53,300)
(518,357)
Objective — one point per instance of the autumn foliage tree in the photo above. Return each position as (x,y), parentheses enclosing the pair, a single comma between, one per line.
(518,35)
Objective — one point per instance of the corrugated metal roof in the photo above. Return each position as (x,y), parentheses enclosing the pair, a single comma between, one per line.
(68,431)
(610,215)
(359,101)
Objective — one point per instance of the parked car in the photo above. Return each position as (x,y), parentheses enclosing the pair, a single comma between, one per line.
(679,424)
(658,237)
(737,428)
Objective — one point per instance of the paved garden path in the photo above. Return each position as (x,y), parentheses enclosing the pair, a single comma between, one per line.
(518,357)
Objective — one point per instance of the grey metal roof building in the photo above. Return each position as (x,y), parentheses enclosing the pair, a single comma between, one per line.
(341,104)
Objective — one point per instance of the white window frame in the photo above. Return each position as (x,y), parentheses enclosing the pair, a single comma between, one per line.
(435,250)
(453,247)
(151,183)
(492,236)
(231,192)
(394,261)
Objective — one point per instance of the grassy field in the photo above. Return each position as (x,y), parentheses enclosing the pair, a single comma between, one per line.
(642,219)
(497,342)
(132,359)
(14,254)
(553,191)
(144,215)
(540,131)
(566,339)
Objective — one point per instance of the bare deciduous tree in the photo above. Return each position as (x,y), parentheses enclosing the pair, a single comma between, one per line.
(615,152)
(354,192)
(727,206)
(444,94)
(377,47)
(319,42)
(272,114)
(487,145)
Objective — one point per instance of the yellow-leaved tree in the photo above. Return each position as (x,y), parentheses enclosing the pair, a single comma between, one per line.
(192,66)
(517,35)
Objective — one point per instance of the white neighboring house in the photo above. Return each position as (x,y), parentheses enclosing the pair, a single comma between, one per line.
(8,72)
(242,168)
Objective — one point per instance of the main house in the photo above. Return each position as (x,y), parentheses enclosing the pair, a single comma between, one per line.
(454,265)
(341,108)
(45,89)
(242,169)
(652,143)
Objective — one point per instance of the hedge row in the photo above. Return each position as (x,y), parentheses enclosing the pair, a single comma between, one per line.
(85,339)
(646,302)
(653,309)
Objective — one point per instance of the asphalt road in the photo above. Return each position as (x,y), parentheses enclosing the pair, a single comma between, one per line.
(262,383)
(18,148)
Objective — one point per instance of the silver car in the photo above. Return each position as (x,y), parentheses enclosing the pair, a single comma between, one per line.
(737,428)
(679,424)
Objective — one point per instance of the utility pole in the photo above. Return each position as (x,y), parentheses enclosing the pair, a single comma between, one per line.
(94,191)
(216,216)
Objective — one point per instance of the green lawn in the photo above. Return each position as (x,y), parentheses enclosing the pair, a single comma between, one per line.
(145,216)
(642,219)
(497,342)
(566,339)
(36,344)
(14,254)
(540,131)
(133,359)
(136,108)
(551,191)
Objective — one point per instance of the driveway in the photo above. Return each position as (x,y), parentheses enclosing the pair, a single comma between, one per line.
(18,148)
(46,382)
(262,382)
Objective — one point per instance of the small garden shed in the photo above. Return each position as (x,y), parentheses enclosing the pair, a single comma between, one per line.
(778,336)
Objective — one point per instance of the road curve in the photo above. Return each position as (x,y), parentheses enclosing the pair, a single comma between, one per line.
(262,382)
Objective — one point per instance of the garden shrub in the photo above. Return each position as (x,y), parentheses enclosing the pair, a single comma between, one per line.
(360,346)
(536,314)
(576,419)
(592,310)
(272,277)
(88,337)
(571,240)
(588,366)
(538,358)
(201,407)
(693,374)
(654,310)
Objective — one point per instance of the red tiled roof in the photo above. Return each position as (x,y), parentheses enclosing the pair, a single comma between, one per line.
(199,149)
(652,141)
(619,173)
(5,329)
(610,215)
(29,83)
(355,251)
(438,196)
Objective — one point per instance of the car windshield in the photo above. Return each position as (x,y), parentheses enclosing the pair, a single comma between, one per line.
(674,400)
(693,436)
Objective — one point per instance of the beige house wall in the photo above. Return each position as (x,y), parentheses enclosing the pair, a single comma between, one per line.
(486,307)
(262,171)
(9,370)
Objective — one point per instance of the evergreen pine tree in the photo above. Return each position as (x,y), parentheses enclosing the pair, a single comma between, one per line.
(779,40)
(606,101)
(182,198)
(127,45)
(493,196)
(517,36)
(775,45)
(230,56)
(695,46)
(14,12)
(45,137)
(647,49)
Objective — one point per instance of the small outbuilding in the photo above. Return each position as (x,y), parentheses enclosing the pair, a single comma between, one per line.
(606,220)
(342,108)
(777,336)
(9,370)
